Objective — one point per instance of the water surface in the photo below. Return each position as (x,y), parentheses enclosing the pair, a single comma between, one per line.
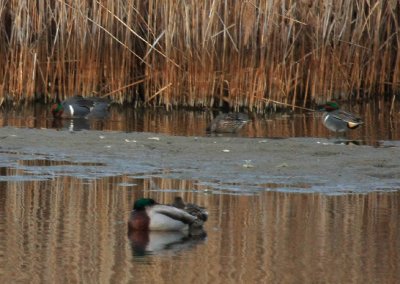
(379,124)
(63,219)
(74,230)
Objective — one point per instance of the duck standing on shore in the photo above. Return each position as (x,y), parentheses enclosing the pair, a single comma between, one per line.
(338,120)
(80,107)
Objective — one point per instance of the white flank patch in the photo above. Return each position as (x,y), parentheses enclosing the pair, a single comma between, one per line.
(160,222)
(71,109)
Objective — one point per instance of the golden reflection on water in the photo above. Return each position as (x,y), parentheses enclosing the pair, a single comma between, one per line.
(379,125)
(74,230)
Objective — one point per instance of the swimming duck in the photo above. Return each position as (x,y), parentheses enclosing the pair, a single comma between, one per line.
(193,209)
(80,107)
(148,215)
(228,123)
(338,120)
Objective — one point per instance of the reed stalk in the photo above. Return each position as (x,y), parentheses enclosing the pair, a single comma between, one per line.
(200,53)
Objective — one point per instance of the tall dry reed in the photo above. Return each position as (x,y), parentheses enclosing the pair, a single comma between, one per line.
(200,53)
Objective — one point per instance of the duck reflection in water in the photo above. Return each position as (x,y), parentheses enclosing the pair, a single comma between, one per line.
(74,124)
(154,227)
(163,242)
(77,124)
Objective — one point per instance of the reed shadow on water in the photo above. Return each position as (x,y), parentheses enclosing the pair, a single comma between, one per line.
(268,236)
(379,124)
(280,210)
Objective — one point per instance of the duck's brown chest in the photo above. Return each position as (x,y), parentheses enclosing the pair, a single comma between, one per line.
(139,221)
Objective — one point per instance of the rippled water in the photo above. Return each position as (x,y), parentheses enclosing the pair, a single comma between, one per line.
(69,224)
(74,230)
(379,124)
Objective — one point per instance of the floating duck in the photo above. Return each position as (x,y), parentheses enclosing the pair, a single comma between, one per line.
(228,123)
(338,120)
(148,215)
(80,107)
(193,209)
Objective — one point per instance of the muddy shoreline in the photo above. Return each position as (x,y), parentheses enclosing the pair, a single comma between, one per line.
(226,164)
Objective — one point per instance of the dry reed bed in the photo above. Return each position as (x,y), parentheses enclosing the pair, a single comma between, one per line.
(200,53)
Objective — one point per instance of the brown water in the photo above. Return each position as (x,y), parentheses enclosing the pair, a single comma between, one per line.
(379,125)
(68,224)
(74,230)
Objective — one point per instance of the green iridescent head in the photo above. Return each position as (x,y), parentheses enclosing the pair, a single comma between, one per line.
(57,110)
(142,203)
(330,106)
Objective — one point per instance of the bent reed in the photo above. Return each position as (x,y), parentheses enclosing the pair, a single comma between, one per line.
(244,54)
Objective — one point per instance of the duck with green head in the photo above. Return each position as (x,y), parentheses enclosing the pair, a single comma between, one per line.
(148,215)
(338,120)
(80,107)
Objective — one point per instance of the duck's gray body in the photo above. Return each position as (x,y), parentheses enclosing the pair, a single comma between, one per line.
(338,120)
(80,107)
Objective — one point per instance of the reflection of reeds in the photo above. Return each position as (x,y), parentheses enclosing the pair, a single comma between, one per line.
(74,230)
(200,53)
(379,125)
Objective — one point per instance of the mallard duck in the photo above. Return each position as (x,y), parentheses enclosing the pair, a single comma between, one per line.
(228,123)
(338,120)
(148,215)
(80,107)
(193,209)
